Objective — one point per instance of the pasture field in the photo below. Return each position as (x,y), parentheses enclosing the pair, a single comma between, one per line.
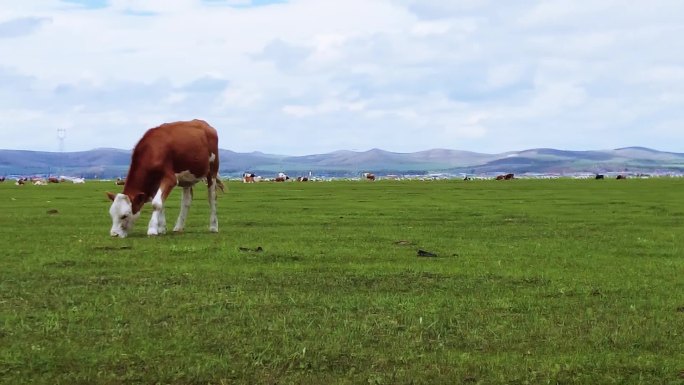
(533,282)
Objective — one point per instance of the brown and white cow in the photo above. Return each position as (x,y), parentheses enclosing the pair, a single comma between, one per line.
(248,177)
(282,177)
(369,176)
(180,153)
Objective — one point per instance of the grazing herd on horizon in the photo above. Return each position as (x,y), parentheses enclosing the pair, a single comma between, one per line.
(247,177)
(40,181)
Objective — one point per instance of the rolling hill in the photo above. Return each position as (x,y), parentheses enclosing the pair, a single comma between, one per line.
(111,163)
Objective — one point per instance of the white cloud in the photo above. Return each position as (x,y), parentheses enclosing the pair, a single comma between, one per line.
(403,75)
(429,28)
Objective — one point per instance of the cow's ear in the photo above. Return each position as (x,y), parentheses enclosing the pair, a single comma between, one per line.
(111,196)
(138,201)
(139,197)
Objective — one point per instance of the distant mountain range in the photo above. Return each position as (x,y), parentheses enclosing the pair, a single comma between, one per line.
(111,163)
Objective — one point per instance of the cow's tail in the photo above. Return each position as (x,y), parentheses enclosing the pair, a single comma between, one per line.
(219,184)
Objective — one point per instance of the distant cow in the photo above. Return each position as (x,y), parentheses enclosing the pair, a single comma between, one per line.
(120,182)
(302,179)
(505,177)
(180,153)
(621,176)
(369,176)
(2,179)
(467,178)
(53,179)
(599,176)
(248,177)
(20,182)
(282,177)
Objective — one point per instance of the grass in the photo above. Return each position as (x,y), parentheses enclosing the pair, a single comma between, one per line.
(535,282)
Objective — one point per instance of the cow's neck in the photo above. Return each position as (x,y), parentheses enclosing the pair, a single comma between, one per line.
(141,180)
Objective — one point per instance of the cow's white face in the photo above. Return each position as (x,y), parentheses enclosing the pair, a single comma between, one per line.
(122,216)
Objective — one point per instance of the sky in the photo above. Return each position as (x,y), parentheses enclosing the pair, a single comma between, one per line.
(299,77)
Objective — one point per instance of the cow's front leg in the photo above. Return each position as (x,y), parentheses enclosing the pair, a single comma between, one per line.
(157,223)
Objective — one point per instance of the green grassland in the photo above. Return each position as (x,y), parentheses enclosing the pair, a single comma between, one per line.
(534,282)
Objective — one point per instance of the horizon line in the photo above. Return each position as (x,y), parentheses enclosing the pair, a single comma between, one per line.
(370,150)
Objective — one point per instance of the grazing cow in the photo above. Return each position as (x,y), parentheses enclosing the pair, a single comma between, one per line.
(599,176)
(2,179)
(180,153)
(282,177)
(467,178)
(20,182)
(120,182)
(78,181)
(302,179)
(505,177)
(621,176)
(248,177)
(53,179)
(369,176)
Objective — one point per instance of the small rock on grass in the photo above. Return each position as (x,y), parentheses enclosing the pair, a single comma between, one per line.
(424,253)
(257,249)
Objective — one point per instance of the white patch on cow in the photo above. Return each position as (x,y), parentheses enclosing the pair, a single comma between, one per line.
(186,179)
(157,202)
(122,215)
(212,158)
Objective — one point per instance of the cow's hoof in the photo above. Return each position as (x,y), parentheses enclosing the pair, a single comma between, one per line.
(152,232)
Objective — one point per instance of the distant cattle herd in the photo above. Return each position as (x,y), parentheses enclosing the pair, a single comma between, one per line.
(40,181)
(250,177)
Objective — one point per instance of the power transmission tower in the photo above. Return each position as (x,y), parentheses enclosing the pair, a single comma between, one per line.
(61,135)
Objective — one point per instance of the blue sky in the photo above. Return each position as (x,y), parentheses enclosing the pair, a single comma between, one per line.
(312,76)
(93,4)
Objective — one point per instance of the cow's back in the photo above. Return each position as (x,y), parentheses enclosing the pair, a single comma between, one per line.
(183,145)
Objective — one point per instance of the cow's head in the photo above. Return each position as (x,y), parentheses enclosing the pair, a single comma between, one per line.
(123,214)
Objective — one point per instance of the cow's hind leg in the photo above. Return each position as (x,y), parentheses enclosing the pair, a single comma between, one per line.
(213,218)
(186,201)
